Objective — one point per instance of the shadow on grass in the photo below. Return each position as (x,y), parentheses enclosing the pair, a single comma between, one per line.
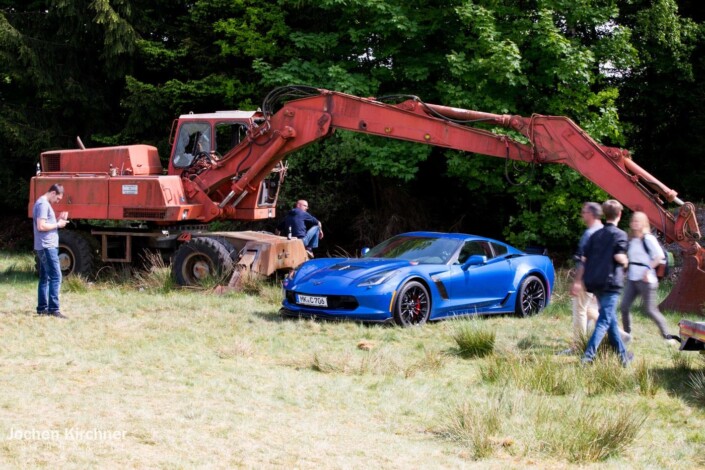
(675,380)
(270,316)
(15,274)
(278,317)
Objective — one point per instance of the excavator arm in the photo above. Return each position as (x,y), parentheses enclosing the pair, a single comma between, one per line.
(229,189)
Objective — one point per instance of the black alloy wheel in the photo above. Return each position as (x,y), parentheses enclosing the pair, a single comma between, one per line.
(532,296)
(413,305)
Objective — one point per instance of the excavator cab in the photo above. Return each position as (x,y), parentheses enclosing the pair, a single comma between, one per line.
(212,135)
(193,139)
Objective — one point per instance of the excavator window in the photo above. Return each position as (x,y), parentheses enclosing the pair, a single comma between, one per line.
(194,138)
(228,135)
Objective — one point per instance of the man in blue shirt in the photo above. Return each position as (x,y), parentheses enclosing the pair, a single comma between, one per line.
(299,223)
(46,245)
(602,272)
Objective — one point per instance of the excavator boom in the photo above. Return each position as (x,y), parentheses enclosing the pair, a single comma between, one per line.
(552,139)
(201,185)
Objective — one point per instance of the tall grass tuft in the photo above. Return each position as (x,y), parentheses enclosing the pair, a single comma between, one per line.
(682,361)
(432,361)
(645,379)
(376,362)
(696,384)
(529,342)
(536,373)
(499,369)
(606,375)
(545,375)
(76,284)
(585,434)
(476,425)
(156,277)
(474,339)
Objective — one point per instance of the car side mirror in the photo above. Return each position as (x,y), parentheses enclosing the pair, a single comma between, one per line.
(364,251)
(474,260)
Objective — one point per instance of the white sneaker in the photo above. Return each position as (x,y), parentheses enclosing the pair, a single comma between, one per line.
(626,337)
(672,342)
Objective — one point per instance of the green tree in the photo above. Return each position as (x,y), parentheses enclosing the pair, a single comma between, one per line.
(61,73)
(548,57)
(662,98)
(119,71)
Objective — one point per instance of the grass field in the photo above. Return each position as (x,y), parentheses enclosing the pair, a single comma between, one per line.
(145,376)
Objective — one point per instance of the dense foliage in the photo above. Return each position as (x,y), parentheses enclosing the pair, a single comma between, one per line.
(119,71)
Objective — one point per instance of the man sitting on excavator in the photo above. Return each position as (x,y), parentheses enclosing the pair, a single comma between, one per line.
(300,224)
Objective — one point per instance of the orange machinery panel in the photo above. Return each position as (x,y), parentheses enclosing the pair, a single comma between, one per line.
(101,197)
(124,160)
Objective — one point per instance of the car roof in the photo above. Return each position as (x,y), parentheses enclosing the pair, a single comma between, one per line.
(453,236)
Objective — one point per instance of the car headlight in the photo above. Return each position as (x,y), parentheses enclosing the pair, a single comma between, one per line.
(378,279)
(289,278)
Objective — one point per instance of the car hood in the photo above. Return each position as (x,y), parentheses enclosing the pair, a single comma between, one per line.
(350,269)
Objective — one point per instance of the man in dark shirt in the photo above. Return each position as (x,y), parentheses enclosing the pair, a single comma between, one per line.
(602,273)
(300,224)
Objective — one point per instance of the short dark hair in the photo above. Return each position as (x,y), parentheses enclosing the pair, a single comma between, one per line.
(612,209)
(57,188)
(594,208)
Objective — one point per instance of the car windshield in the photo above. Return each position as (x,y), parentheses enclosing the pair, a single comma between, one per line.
(421,249)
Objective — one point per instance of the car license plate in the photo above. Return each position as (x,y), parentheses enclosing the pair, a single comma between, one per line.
(312,300)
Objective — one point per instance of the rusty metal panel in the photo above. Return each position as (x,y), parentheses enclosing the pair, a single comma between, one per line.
(84,197)
(125,160)
(265,253)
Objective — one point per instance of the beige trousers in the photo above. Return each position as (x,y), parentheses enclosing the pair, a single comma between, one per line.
(585,310)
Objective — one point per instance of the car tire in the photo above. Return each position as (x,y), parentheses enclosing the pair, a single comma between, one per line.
(532,296)
(413,305)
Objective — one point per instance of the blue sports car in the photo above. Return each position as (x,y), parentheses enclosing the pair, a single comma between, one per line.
(420,276)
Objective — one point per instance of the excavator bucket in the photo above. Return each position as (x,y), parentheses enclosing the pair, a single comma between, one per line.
(261,254)
(688,293)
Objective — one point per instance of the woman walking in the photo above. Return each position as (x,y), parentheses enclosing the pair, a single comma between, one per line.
(645,254)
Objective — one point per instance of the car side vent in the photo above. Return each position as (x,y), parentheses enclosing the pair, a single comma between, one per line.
(142,213)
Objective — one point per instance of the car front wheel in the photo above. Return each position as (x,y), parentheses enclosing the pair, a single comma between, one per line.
(532,297)
(413,305)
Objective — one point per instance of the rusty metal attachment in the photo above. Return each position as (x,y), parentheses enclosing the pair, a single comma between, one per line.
(688,293)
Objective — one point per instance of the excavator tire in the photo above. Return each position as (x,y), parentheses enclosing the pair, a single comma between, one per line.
(77,253)
(200,259)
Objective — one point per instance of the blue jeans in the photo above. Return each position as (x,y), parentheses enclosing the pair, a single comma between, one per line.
(49,280)
(311,237)
(606,324)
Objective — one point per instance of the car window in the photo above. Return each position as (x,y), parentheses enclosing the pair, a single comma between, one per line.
(474,247)
(420,249)
(499,250)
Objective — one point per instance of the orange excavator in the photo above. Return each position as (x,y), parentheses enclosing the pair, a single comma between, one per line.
(230,165)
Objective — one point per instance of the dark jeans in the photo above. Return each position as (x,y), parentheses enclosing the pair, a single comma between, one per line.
(49,280)
(606,324)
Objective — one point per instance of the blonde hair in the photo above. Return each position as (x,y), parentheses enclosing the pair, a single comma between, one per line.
(645,224)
